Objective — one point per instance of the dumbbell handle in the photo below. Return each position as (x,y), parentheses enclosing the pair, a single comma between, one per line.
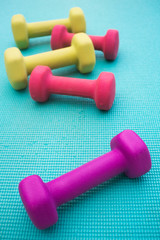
(71,86)
(39,29)
(87,176)
(96,40)
(53,59)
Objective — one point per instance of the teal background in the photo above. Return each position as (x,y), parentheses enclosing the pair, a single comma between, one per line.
(53,138)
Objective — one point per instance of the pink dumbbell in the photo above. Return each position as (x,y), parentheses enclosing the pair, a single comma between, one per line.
(108,44)
(42,83)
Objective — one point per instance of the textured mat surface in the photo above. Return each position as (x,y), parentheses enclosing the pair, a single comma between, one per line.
(53,138)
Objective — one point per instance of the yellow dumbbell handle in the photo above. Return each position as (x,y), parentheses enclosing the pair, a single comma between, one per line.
(53,59)
(39,29)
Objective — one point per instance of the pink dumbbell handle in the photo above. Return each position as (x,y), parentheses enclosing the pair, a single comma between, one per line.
(87,176)
(71,86)
(97,40)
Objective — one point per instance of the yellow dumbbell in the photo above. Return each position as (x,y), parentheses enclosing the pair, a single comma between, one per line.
(81,52)
(22,31)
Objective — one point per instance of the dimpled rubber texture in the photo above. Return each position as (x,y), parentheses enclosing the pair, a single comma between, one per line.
(53,138)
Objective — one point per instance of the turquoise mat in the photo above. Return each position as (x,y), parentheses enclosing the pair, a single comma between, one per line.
(53,138)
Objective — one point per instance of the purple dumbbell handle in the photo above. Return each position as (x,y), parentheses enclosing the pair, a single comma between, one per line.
(87,176)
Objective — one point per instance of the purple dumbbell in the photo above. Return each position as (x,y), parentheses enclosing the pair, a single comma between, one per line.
(129,155)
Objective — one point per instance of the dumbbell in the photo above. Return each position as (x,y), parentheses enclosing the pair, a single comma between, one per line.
(42,83)
(129,155)
(108,44)
(81,53)
(22,31)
